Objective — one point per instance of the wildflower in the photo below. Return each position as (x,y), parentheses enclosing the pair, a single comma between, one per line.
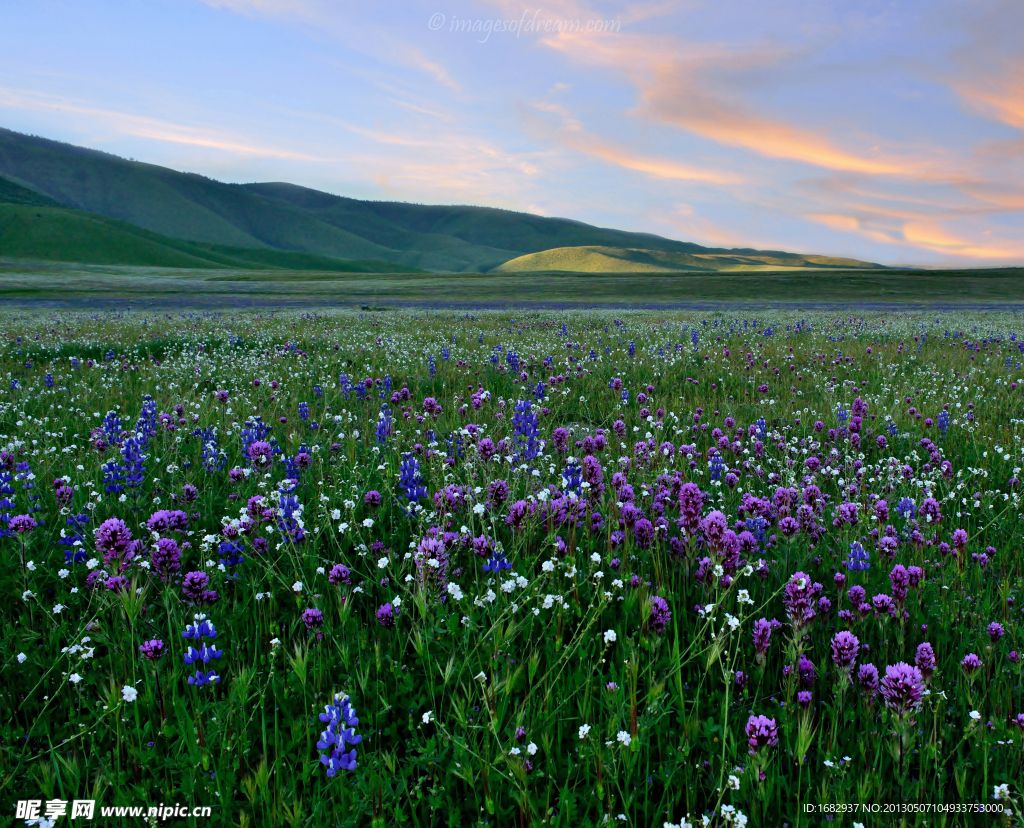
(623,737)
(902,688)
(386,616)
(971,664)
(761,732)
(428,717)
(845,647)
(74,678)
(584,730)
(341,721)
(924,659)
(129,694)
(152,649)
(610,637)
(659,615)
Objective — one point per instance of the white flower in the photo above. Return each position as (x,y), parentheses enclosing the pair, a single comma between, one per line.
(481,677)
(514,751)
(584,730)
(74,678)
(30,566)
(624,737)
(610,637)
(368,523)
(297,586)
(274,642)
(548,566)
(129,693)
(335,514)
(975,715)
(829,763)
(743,597)
(383,562)
(455,591)
(428,717)
(92,563)
(22,658)
(595,558)
(397,601)
(1001,792)
(57,608)
(531,749)
(479,508)
(733,782)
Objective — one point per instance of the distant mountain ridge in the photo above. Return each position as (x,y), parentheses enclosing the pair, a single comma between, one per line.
(287,217)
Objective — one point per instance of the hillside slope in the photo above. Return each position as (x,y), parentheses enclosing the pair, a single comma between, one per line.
(596,259)
(288,217)
(63,235)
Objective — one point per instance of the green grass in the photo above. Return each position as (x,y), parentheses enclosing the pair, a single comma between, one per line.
(763,289)
(64,235)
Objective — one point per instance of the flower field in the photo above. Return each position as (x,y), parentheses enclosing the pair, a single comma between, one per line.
(509,569)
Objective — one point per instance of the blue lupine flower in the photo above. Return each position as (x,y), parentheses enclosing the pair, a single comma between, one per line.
(344,384)
(410,481)
(231,553)
(289,512)
(906,508)
(762,428)
(497,562)
(525,425)
(445,354)
(632,349)
(304,411)
(694,337)
(572,478)
(341,722)
(538,392)
(943,422)
(841,413)
(48,380)
(432,365)
(202,627)
(385,424)
(201,679)
(717,466)
(859,557)
(72,554)
(204,654)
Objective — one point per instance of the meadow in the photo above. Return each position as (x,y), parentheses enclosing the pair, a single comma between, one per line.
(542,567)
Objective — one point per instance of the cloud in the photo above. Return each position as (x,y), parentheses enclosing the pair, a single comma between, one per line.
(572,134)
(144,127)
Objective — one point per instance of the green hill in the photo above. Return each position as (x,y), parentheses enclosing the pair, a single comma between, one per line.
(594,259)
(64,235)
(286,217)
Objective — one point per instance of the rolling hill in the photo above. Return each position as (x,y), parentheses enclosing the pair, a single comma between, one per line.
(286,217)
(59,234)
(594,259)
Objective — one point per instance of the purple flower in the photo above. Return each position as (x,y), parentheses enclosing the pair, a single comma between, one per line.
(194,586)
(644,532)
(798,598)
(995,631)
(660,614)
(867,678)
(166,558)
(372,498)
(971,664)
(761,732)
(340,574)
(152,649)
(883,605)
(386,616)
(112,539)
(924,658)
(166,520)
(261,453)
(22,524)
(313,619)
(845,648)
(762,638)
(804,697)
(117,583)
(902,688)
(806,669)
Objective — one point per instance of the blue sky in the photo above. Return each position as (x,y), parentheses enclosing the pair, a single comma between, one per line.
(888,131)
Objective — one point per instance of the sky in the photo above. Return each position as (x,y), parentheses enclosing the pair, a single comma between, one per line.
(885,130)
